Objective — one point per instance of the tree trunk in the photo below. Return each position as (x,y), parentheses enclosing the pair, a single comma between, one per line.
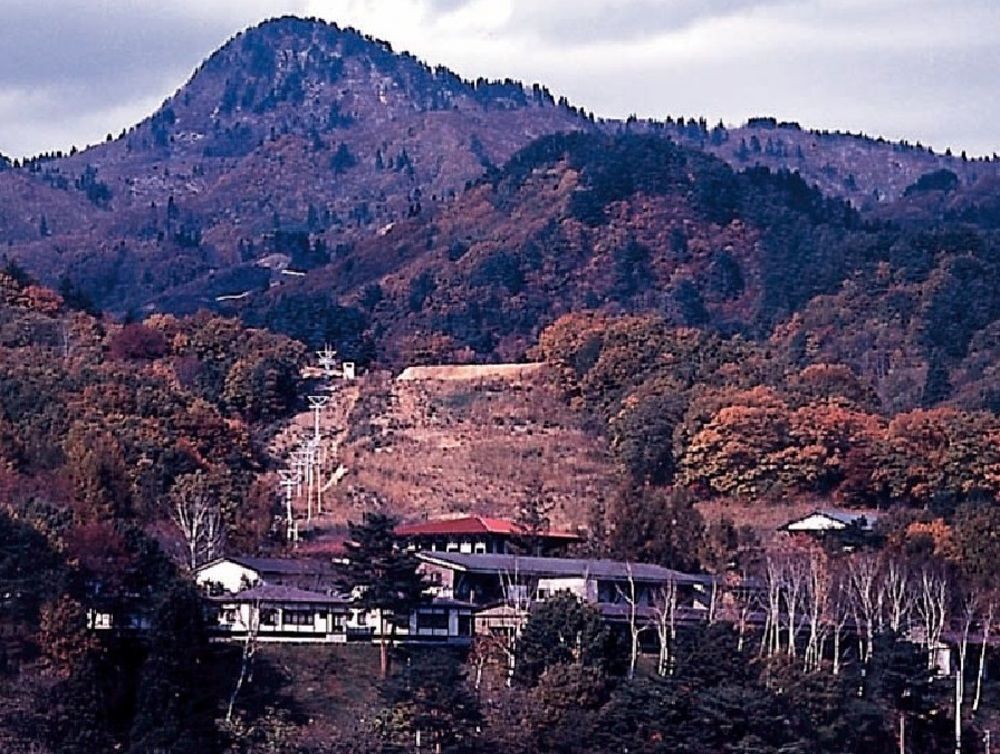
(383,658)
(987,623)
(836,650)
(958,710)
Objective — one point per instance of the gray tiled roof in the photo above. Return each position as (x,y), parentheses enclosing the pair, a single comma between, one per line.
(559,567)
(278,593)
(849,517)
(284,566)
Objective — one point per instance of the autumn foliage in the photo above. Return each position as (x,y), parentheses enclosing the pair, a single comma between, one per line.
(728,417)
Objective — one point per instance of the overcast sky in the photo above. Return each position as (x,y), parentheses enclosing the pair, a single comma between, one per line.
(924,70)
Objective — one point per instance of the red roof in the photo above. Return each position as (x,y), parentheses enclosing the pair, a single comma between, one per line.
(470,525)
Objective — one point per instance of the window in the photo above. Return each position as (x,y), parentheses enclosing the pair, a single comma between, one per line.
(480,548)
(465,625)
(268,616)
(432,621)
(229,615)
(299,617)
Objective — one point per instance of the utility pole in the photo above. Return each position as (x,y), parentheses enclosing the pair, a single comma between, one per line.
(317,403)
(320,463)
(289,481)
(327,359)
(302,460)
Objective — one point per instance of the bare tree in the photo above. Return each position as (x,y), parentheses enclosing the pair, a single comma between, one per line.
(632,601)
(931,609)
(517,598)
(898,596)
(842,602)
(863,572)
(773,575)
(246,658)
(196,512)
(987,623)
(795,582)
(970,608)
(664,606)
(818,596)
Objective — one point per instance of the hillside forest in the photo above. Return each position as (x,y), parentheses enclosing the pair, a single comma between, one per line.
(744,330)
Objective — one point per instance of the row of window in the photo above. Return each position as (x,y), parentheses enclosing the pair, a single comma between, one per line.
(426,621)
(269,617)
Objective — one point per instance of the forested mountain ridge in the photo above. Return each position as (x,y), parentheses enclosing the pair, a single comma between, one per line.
(638,224)
(297,140)
(294,127)
(871,173)
(727,346)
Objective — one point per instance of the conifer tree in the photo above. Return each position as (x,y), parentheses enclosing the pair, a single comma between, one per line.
(175,709)
(384,575)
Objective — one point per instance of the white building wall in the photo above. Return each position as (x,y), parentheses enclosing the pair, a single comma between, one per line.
(579,587)
(817,522)
(232,576)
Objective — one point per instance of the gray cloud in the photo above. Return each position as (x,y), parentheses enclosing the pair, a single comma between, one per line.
(73,70)
(625,20)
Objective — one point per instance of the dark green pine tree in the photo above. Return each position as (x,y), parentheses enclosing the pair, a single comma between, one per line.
(384,574)
(937,385)
(901,684)
(563,630)
(76,716)
(429,695)
(175,706)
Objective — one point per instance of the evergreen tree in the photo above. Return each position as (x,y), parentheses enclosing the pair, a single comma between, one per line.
(76,716)
(565,630)
(654,525)
(937,385)
(342,159)
(175,709)
(429,697)
(384,574)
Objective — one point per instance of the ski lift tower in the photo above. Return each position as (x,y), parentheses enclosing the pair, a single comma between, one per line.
(316,404)
(327,361)
(289,481)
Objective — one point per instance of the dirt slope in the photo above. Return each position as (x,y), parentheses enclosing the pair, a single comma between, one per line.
(427,447)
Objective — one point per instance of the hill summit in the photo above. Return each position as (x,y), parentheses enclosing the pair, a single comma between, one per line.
(298,142)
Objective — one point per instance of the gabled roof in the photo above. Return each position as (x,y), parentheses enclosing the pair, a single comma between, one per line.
(278,566)
(558,567)
(279,593)
(472,525)
(849,517)
(836,517)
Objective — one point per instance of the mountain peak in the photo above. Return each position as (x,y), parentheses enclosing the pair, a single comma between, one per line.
(306,76)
